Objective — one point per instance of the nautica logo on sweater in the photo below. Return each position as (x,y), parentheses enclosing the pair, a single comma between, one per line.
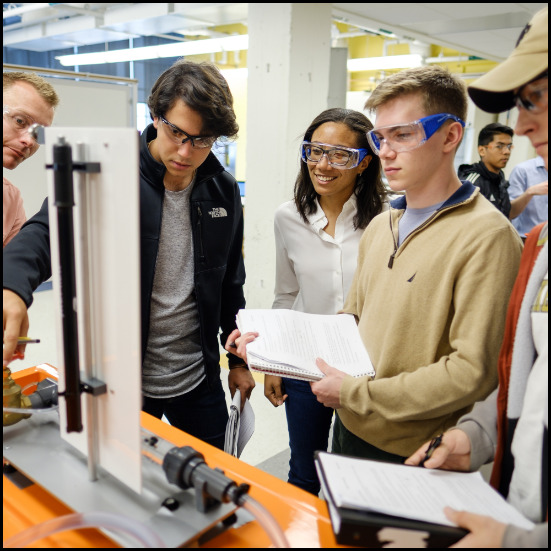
(218,212)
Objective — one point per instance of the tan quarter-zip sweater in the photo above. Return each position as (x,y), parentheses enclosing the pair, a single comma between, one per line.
(432,323)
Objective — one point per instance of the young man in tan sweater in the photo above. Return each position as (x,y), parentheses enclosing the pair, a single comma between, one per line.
(432,284)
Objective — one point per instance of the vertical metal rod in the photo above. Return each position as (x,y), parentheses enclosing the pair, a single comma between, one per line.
(83,235)
(63,202)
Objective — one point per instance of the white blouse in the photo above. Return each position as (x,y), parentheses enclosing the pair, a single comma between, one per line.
(314,270)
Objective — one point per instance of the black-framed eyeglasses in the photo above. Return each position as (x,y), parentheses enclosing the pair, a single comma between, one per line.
(533,96)
(179,136)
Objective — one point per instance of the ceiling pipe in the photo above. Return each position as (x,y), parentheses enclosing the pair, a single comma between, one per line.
(450,59)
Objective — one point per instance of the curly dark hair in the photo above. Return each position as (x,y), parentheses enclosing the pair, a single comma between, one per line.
(369,188)
(203,88)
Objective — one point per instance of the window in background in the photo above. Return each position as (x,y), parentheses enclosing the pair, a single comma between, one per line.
(226,152)
(142,116)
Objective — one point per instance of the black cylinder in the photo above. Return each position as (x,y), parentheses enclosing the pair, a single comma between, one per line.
(64,202)
(186,468)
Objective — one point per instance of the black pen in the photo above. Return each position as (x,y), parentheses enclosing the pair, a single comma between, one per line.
(434,443)
(232,345)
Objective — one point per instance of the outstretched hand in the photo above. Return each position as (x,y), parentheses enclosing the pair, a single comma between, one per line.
(16,324)
(237,343)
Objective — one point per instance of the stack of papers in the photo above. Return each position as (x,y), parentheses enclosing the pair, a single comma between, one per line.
(289,343)
(240,426)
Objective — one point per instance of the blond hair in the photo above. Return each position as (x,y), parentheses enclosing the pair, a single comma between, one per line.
(441,92)
(44,88)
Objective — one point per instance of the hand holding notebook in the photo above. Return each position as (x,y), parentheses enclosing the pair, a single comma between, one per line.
(289,343)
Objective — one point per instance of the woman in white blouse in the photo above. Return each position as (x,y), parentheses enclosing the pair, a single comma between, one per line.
(337,193)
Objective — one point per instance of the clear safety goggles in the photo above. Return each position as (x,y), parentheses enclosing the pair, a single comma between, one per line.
(409,136)
(340,157)
(19,121)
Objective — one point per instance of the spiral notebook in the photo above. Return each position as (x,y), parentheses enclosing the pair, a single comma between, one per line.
(289,343)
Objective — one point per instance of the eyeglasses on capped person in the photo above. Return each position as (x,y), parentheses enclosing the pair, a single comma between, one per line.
(408,136)
(533,96)
(341,157)
(19,121)
(179,136)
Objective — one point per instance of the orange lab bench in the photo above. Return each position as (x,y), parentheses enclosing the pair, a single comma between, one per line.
(303,517)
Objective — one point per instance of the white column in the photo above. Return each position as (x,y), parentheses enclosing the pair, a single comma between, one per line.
(476,121)
(523,149)
(288,86)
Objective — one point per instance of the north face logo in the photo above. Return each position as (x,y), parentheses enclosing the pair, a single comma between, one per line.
(218,212)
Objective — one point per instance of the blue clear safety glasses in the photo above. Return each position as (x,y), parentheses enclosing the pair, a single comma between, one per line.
(408,136)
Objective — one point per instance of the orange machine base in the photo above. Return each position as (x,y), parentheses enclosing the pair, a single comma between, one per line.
(303,517)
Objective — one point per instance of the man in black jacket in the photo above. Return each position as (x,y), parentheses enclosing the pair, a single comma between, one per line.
(192,271)
(495,143)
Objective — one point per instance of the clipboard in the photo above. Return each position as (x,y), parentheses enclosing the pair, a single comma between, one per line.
(371,529)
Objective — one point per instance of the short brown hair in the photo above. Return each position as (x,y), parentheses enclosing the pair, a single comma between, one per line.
(441,91)
(42,86)
(202,87)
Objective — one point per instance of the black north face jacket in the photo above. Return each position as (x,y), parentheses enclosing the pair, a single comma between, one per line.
(217,225)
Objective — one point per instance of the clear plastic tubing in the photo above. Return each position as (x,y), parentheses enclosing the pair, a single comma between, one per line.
(30,410)
(266,520)
(74,521)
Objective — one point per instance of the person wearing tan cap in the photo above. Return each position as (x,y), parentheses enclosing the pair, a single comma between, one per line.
(510,427)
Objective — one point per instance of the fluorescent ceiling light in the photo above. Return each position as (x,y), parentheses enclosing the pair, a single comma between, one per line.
(177,49)
(385,62)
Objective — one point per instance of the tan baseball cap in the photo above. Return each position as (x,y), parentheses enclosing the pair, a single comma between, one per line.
(494,92)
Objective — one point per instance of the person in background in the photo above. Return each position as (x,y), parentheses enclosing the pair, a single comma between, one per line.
(528,185)
(510,427)
(338,191)
(433,280)
(192,270)
(28,99)
(495,142)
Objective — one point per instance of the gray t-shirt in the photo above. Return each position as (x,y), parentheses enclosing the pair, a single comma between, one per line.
(173,363)
(413,218)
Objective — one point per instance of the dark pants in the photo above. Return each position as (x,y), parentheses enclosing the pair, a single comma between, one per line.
(201,412)
(309,423)
(347,443)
